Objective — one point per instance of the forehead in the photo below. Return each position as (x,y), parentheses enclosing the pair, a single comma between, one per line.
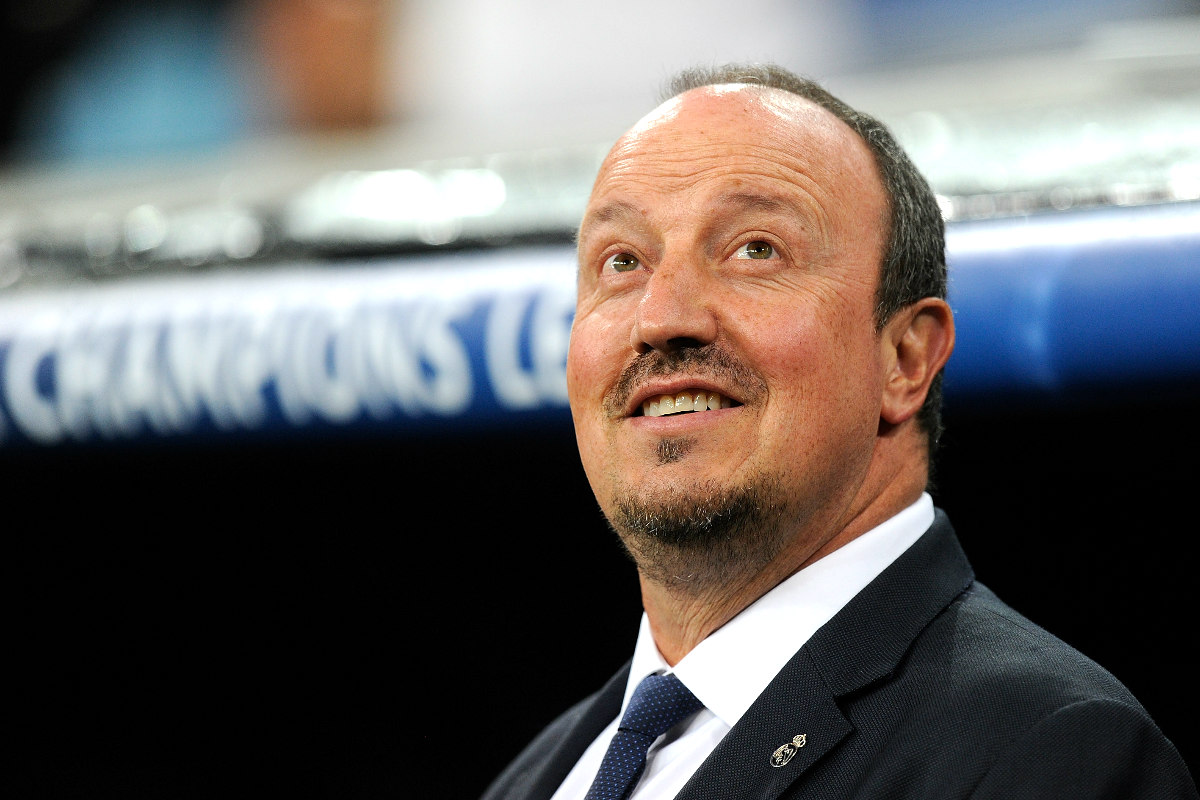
(736,137)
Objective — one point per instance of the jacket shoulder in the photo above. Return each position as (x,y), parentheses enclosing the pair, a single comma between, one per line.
(516,779)
(541,766)
(989,704)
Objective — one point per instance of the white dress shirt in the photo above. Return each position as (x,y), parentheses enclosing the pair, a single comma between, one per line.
(731,668)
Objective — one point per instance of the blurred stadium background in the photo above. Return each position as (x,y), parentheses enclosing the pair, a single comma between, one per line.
(285,285)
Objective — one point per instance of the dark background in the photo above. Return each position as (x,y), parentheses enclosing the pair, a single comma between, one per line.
(389,615)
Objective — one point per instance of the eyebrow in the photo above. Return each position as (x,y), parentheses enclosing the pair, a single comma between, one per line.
(728,209)
(611,212)
(614,210)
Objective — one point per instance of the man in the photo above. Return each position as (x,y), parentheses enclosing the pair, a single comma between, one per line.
(760,255)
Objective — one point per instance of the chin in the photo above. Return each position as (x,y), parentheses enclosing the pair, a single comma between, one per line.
(702,534)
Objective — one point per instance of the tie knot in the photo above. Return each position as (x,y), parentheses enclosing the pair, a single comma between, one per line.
(659,703)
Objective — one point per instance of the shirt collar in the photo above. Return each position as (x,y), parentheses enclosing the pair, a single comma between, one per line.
(732,667)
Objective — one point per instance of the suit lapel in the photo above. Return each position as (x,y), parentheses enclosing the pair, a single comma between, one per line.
(787,730)
(798,715)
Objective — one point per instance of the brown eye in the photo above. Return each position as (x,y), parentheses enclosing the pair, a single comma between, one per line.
(756,249)
(622,262)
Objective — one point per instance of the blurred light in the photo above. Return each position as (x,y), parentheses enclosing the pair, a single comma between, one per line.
(389,205)
(11,270)
(145,229)
(1184,180)
(101,237)
(1061,198)
(243,237)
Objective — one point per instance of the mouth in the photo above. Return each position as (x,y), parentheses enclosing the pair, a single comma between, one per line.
(684,402)
(683,381)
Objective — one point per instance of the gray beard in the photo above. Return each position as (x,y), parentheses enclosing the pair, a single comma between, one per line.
(711,538)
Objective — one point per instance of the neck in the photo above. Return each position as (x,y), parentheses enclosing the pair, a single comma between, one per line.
(682,617)
(683,614)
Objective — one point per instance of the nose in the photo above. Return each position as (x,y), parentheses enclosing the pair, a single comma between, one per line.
(675,311)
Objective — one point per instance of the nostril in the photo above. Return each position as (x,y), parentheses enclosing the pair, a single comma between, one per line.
(683,343)
(673,345)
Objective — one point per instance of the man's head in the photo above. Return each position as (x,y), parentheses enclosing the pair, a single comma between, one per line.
(741,245)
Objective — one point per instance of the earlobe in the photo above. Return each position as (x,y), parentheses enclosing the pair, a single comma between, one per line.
(919,339)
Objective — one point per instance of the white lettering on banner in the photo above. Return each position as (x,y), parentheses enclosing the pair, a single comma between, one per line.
(120,370)
(32,412)
(441,378)
(549,332)
(86,373)
(159,401)
(114,378)
(340,362)
(309,379)
(209,364)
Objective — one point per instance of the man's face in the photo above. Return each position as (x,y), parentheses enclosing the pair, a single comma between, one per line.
(730,251)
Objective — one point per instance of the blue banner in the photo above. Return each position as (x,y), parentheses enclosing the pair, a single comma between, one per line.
(404,342)
(1049,305)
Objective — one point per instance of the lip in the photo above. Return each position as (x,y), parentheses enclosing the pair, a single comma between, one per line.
(675,386)
(683,424)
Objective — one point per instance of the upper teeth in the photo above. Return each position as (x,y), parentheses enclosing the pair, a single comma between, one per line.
(691,400)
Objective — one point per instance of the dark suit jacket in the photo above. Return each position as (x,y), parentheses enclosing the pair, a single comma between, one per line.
(924,686)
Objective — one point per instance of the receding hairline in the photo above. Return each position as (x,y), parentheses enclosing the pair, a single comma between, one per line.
(779,102)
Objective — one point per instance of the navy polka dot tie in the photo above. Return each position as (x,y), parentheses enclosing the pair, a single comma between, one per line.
(659,703)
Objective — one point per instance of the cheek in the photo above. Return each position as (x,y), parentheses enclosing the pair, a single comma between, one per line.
(593,366)
(584,360)
(589,375)
(823,416)
(597,350)
(577,374)
(824,367)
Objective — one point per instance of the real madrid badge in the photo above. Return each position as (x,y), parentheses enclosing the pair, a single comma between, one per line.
(785,752)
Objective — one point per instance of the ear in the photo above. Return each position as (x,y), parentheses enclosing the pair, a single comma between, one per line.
(918,341)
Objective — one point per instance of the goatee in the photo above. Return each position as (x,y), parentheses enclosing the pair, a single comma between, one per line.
(709,537)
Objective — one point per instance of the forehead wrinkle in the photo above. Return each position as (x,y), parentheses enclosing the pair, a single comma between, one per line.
(679,166)
(749,201)
(795,197)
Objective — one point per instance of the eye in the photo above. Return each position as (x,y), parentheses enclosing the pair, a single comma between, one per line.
(755,249)
(622,262)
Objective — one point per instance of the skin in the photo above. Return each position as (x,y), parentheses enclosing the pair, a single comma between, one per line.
(671,260)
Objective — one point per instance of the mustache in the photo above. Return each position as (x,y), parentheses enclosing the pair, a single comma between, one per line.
(709,361)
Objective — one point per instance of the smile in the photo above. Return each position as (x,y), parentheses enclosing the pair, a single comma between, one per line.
(689,400)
